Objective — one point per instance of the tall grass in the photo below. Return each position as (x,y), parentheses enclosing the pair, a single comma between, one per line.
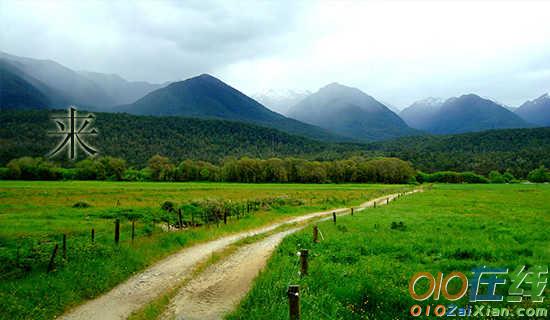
(362,267)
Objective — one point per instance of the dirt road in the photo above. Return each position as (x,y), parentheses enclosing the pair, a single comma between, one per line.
(142,288)
(220,287)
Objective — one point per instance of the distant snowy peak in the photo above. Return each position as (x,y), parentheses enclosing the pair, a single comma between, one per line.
(431,101)
(536,111)
(281,100)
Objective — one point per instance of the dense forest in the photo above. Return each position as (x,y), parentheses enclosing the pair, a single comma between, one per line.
(138,138)
(516,150)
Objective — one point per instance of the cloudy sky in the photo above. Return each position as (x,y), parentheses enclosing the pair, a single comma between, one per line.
(396,51)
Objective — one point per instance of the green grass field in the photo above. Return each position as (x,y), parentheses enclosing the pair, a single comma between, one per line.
(35,215)
(362,268)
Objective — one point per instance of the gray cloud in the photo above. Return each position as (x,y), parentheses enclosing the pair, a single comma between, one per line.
(397,51)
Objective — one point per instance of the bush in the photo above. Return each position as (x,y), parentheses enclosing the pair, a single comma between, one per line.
(451,177)
(81,204)
(27,168)
(539,175)
(509,177)
(496,177)
(4,174)
(168,206)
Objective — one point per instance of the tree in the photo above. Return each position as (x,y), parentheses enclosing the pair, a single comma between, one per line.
(539,175)
(161,168)
(496,177)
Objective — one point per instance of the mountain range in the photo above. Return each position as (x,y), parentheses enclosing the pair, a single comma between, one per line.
(467,113)
(350,112)
(88,89)
(205,96)
(333,113)
(536,111)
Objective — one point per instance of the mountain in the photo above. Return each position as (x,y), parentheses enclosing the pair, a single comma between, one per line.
(351,113)
(419,114)
(119,89)
(207,97)
(84,89)
(467,113)
(536,111)
(18,93)
(75,88)
(280,101)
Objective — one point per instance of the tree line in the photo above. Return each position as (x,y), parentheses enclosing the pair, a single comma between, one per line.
(252,170)
(248,170)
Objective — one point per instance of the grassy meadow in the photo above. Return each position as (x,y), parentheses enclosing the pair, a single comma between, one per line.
(35,214)
(362,268)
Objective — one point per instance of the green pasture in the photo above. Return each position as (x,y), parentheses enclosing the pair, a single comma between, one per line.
(361,269)
(35,214)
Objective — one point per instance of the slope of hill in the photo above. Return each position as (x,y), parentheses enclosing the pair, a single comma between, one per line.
(467,113)
(119,89)
(137,138)
(74,87)
(536,111)
(518,150)
(207,97)
(18,93)
(351,113)
(84,89)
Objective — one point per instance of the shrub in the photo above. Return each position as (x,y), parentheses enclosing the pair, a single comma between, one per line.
(539,175)
(496,177)
(168,206)
(81,204)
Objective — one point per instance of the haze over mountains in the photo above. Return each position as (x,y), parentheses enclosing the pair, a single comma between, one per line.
(281,101)
(333,113)
(351,113)
(536,111)
(467,113)
(80,88)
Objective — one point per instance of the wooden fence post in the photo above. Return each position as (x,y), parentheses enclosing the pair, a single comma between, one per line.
(387,200)
(64,246)
(51,265)
(117,230)
(293,294)
(352,211)
(303,262)
(315,234)
(93,235)
(180,218)
(374,204)
(225,216)
(334,217)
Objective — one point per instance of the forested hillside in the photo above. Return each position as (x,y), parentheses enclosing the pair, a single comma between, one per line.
(138,138)
(518,150)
